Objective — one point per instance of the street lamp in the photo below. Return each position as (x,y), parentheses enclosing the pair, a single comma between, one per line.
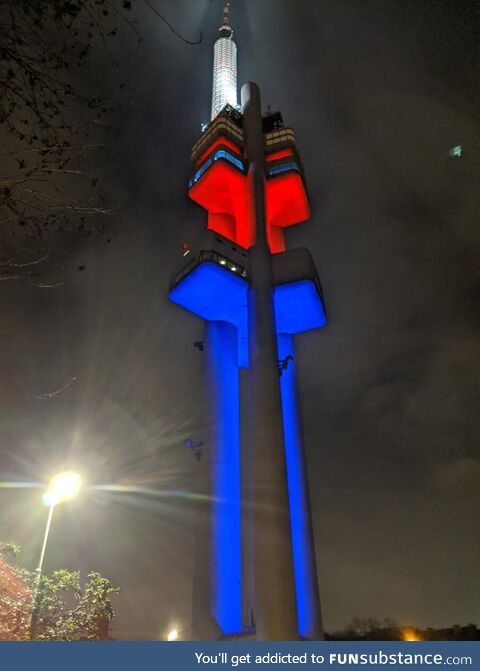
(172,635)
(63,487)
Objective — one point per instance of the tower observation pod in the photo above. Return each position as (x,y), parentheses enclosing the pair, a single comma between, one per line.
(255,566)
(224,90)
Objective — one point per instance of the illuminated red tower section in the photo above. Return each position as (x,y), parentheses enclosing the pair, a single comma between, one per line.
(223,191)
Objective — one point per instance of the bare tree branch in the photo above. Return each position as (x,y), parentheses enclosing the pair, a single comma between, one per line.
(160,16)
(58,391)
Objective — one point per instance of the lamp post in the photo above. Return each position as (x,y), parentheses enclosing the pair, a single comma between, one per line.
(63,487)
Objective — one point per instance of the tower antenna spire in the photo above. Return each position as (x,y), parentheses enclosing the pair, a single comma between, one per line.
(224,66)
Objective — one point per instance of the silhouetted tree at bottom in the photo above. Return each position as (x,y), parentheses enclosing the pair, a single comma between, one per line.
(370,629)
(58,607)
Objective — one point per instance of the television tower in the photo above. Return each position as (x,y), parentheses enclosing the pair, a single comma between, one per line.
(257,569)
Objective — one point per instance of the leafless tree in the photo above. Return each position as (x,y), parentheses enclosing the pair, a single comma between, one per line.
(51,124)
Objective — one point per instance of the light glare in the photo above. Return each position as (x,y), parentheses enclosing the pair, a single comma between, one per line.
(172,635)
(410,634)
(63,486)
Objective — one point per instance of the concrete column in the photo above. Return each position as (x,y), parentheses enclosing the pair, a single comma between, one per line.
(221,350)
(275,609)
(248,519)
(203,624)
(306,582)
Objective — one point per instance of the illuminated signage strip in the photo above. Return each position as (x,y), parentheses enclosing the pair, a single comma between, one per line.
(282,168)
(221,154)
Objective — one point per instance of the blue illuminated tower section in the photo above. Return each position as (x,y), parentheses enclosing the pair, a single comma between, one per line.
(255,296)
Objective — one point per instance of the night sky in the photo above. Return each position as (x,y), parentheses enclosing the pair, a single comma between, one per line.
(377,93)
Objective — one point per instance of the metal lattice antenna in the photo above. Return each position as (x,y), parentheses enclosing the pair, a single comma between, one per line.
(224,66)
(226,13)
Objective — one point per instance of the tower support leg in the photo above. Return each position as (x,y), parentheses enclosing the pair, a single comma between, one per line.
(221,349)
(275,609)
(306,581)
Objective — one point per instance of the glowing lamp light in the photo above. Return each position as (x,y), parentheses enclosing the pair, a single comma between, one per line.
(409,634)
(63,486)
(172,635)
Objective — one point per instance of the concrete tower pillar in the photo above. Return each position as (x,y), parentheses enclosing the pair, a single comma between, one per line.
(306,583)
(275,608)
(221,348)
